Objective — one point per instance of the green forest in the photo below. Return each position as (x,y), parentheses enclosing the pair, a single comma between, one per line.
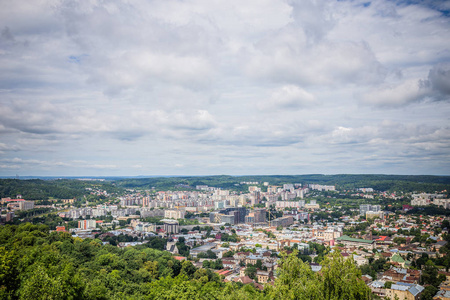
(38,264)
(400,183)
(38,189)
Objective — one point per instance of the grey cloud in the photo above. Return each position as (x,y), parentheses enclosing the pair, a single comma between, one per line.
(439,79)
(49,118)
(291,60)
(314,17)
(137,58)
(272,81)
(393,96)
(7,35)
(435,87)
(262,133)
(391,139)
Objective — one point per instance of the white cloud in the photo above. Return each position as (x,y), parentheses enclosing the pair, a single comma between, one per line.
(404,93)
(218,86)
(289,97)
(5,147)
(328,63)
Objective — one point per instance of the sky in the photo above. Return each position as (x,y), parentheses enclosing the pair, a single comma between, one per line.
(208,87)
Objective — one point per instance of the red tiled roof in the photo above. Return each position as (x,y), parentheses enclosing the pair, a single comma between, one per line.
(180,258)
(245,279)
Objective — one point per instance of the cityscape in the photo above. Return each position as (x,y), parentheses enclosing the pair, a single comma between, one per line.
(397,241)
(226,150)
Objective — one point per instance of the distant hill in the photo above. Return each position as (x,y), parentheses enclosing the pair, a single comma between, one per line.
(406,183)
(39,189)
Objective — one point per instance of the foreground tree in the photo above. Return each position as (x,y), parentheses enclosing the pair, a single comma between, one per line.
(338,279)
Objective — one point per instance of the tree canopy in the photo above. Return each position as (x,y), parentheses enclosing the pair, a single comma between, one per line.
(38,264)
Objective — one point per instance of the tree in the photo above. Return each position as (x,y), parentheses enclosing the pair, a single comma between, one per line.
(205,264)
(295,280)
(36,264)
(400,240)
(8,272)
(207,254)
(228,254)
(258,264)
(188,269)
(430,274)
(428,293)
(251,272)
(336,286)
(183,249)
(338,279)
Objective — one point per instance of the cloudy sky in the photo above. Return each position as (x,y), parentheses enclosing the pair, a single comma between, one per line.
(178,87)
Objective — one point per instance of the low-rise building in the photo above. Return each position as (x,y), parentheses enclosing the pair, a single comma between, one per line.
(402,290)
(354,242)
(263,276)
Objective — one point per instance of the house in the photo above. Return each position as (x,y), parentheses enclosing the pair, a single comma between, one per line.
(383,240)
(172,247)
(442,295)
(353,242)
(224,272)
(402,290)
(404,275)
(396,258)
(180,258)
(61,229)
(270,266)
(229,263)
(377,288)
(360,260)
(444,292)
(252,259)
(241,256)
(204,248)
(263,276)
(439,244)
(244,280)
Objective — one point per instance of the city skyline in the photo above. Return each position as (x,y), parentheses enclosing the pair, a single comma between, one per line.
(130,88)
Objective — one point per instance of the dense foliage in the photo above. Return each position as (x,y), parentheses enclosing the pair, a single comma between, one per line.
(338,279)
(37,264)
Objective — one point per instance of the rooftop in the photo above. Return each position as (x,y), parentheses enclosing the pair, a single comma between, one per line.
(346,238)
